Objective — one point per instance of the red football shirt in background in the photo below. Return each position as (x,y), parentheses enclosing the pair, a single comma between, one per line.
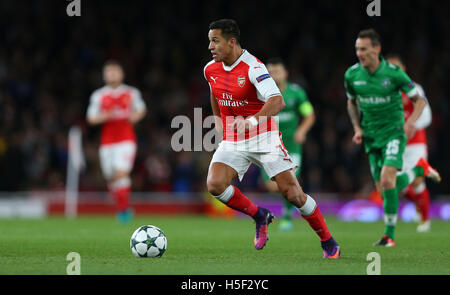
(120,102)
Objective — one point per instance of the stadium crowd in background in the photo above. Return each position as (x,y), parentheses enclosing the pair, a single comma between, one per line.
(50,64)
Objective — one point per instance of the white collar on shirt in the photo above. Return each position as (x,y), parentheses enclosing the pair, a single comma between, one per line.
(114,90)
(229,68)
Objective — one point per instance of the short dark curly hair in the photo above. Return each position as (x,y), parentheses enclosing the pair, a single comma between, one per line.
(372,35)
(394,55)
(112,62)
(229,28)
(275,61)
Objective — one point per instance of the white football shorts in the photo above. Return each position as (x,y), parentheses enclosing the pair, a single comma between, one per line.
(412,154)
(273,162)
(117,157)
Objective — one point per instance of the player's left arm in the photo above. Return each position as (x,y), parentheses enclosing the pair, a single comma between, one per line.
(419,105)
(268,92)
(138,109)
(409,87)
(306,110)
(272,107)
(426,117)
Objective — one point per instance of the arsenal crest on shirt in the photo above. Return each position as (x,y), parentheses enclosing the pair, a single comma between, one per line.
(241,81)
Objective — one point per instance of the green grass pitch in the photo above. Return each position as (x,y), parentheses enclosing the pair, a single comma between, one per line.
(201,245)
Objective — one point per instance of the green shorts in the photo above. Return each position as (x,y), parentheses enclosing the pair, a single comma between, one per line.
(391,154)
(296,158)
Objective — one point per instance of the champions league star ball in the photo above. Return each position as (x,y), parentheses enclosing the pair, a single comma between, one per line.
(148,241)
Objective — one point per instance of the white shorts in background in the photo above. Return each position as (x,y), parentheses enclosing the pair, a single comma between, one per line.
(412,154)
(273,162)
(118,156)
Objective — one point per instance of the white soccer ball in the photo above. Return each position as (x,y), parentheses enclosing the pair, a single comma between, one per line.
(148,241)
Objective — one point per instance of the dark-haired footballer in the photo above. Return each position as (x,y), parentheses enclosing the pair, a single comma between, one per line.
(374,104)
(117,107)
(244,99)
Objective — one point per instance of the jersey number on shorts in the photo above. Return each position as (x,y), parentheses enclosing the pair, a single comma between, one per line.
(392,147)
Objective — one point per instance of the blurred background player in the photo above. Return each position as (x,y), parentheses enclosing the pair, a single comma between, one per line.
(117,107)
(375,108)
(293,129)
(416,148)
(244,98)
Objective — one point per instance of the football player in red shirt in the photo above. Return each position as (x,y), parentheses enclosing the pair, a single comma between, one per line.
(244,99)
(416,148)
(117,107)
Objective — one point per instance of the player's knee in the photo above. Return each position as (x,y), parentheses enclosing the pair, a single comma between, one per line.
(294,195)
(215,186)
(388,177)
(291,196)
(387,183)
(418,181)
(272,186)
(118,175)
(300,198)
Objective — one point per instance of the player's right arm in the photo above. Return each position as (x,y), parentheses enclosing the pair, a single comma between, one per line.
(95,115)
(214,105)
(353,110)
(216,113)
(98,119)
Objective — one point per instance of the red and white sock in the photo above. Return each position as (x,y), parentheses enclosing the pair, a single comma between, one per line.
(422,199)
(311,213)
(120,190)
(409,193)
(236,200)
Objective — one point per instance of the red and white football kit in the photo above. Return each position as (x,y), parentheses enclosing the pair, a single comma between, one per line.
(118,138)
(416,147)
(241,90)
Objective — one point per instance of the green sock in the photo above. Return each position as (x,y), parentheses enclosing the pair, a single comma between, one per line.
(419,171)
(390,206)
(406,178)
(287,210)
